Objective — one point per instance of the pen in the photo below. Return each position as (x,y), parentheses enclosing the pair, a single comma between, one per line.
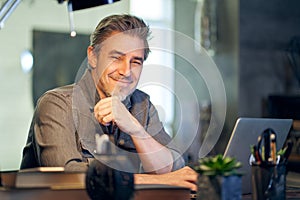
(256,155)
(287,152)
(273,148)
(259,148)
(267,145)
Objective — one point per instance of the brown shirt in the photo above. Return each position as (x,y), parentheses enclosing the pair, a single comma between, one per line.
(63,128)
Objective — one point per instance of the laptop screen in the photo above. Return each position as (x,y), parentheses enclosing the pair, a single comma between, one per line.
(245,134)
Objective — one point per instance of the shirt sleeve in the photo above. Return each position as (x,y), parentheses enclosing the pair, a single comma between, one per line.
(55,133)
(156,130)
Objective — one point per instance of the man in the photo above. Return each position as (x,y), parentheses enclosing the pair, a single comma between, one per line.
(105,101)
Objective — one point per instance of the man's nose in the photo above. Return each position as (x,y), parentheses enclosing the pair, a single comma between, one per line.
(125,68)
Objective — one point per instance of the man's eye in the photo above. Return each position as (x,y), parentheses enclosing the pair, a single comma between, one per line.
(137,62)
(116,57)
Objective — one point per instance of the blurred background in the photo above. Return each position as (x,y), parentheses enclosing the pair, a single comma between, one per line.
(255,45)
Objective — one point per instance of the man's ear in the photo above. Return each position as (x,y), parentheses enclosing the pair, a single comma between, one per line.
(92,58)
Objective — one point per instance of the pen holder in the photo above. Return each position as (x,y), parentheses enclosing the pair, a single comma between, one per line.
(268,182)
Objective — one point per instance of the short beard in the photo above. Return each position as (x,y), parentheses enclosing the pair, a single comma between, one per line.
(117,92)
(121,96)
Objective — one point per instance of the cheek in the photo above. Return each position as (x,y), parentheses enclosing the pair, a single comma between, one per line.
(103,69)
(103,64)
(137,72)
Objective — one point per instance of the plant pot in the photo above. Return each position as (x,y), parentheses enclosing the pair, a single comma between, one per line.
(219,187)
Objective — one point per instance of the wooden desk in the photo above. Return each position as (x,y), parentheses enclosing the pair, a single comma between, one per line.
(48,184)
(80,194)
(157,192)
(44,194)
(291,194)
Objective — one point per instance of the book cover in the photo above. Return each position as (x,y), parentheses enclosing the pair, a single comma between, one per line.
(43,177)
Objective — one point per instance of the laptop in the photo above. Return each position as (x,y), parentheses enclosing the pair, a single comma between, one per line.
(245,134)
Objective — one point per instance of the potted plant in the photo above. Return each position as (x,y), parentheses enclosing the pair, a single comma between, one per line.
(219,178)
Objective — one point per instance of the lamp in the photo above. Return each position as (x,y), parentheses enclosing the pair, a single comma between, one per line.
(83,4)
(8,7)
(74,5)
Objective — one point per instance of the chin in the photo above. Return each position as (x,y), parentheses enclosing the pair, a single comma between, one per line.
(122,95)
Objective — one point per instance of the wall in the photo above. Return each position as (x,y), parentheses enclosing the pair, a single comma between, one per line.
(226,60)
(15,89)
(266,28)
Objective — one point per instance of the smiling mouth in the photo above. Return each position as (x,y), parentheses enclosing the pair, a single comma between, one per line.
(123,80)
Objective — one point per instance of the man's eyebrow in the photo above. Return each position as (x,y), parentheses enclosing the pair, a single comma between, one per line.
(116,52)
(113,52)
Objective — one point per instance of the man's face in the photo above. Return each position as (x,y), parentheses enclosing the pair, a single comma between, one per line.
(118,66)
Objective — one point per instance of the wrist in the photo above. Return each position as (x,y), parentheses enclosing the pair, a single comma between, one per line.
(139,133)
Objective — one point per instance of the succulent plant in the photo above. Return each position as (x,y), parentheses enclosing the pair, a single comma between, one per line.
(218,165)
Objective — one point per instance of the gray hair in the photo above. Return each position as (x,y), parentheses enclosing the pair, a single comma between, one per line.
(120,23)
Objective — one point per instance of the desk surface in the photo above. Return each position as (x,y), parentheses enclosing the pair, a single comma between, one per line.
(80,194)
(291,193)
(141,193)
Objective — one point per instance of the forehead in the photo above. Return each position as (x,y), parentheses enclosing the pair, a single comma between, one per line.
(124,43)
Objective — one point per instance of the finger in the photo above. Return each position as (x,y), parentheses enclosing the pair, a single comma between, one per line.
(107,119)
(98,117)
(103,111)
(187,184)
(193,187)
(101,119)
(110,101)
(115,101)
(107,99)
(103,104)
(190,185)
(192,178)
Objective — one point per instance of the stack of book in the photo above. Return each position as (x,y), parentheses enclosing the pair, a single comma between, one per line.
(43,177)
